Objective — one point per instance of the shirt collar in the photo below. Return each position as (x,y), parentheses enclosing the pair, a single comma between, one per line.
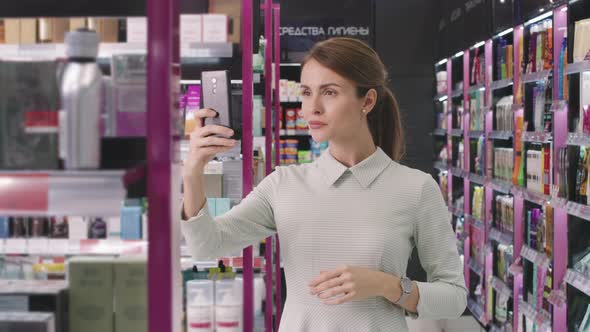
(365,172)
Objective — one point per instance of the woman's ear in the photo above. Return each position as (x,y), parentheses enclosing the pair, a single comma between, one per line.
(370,100)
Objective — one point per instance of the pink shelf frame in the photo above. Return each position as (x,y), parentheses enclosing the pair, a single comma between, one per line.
(560,133)
(268,87)
(247,148)
(164,245)
(277,60)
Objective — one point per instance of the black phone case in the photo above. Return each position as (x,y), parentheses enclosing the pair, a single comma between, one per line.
(216,95)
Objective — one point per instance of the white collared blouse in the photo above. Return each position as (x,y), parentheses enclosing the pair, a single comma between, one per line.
(326,214)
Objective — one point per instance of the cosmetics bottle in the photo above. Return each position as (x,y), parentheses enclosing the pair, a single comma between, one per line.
(200,306)
(228,305)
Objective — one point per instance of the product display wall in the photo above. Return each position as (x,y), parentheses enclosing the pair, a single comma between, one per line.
(75,251)
(512,145)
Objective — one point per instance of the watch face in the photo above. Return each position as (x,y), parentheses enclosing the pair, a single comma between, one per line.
(407,285)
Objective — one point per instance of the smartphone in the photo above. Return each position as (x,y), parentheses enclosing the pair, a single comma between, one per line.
(216,95)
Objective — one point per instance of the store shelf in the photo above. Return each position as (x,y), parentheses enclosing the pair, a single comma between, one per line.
(578,139)
(475,267)
(535,77)
(476,88)
(441,166)
(535,257)
(577,67)
(516,267)
(501,186)
(291,102)
(501,287)
(499,328)
(458,172)
(475,134)
(500,135)
(439,132)
(457,132)
(536,137)
(456,212)
(501,237)
(293,132)
(535,197)
(63,247)
(32,286)
(107,50)
(541,317)
(579,210)
(578,281)
(441,97)
(477,179)
(61,193)
(475,222)
(476,310)
(496,85)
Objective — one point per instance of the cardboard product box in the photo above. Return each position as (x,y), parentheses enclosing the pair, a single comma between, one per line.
(131,223)
(107,28)
(191,29)
(60,27)
(78,228)
(4,228)
(28,31)
(222,206)
(77,23)
(137,30)
(91,294)
(11,31)
(131,294)
(233,9)
(213,185)
(211,204)
(215,28)
(232,180)
(27,322)
(2,32)
(29,104)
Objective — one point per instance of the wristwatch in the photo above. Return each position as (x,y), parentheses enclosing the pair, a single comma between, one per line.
(407,286)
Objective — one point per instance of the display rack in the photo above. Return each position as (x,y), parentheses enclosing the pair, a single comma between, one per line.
(560,137)
(102,193)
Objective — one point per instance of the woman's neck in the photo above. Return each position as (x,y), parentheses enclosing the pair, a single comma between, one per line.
(352,152)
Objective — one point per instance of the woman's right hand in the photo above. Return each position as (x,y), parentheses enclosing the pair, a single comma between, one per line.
(204,145)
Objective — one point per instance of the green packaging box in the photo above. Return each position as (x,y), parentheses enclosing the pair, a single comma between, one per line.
(131,294)
(91,294)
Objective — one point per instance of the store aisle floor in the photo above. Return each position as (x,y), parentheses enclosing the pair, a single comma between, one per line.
(463,324)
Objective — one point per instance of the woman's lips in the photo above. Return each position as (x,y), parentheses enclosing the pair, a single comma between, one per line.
(316,124)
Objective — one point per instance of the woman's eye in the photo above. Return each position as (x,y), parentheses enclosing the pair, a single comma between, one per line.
(330,93)
(305,93)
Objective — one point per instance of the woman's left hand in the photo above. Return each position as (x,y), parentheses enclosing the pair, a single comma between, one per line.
(347,284)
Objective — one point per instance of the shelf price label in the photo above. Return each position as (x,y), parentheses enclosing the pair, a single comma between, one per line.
(15,246)
(578,280)
(38,246)
(24,192)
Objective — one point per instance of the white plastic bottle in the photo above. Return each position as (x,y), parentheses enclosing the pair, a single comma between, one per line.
(199,306)
(228,305)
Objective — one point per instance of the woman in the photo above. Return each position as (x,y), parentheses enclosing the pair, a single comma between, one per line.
(347,222)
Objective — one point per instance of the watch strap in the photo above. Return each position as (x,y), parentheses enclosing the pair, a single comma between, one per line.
(406,286)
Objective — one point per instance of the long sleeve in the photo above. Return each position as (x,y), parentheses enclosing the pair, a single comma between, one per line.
(444,295)
(249,221)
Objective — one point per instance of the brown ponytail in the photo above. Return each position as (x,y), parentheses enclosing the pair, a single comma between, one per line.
(356,61)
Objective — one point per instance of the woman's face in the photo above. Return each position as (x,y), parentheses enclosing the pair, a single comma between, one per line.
(330,104)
